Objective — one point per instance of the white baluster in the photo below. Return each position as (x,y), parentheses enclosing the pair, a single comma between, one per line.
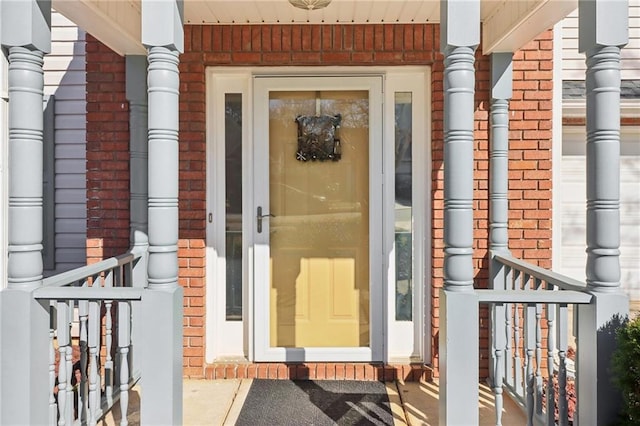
(83,394)
(500,338)
(124,341)
(94,338)
(508,312)
(538,358)
(108,365)
(517,336)
(563,408)
(70,397)
(53,409)
(63,342)
(108,344)
(530,344)
(69,361)
(551,404)
(508,349)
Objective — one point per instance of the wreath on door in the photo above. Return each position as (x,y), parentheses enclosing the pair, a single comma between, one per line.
(317,137)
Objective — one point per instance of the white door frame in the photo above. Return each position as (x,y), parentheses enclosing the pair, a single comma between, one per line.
(233,340)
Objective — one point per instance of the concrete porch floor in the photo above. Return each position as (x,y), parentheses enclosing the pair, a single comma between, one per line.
(218,402)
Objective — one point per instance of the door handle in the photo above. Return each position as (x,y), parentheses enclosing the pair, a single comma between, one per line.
(261,216)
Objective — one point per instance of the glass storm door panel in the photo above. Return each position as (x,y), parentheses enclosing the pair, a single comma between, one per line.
(313,193)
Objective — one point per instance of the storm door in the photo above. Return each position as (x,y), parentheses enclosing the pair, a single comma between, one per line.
(317,205)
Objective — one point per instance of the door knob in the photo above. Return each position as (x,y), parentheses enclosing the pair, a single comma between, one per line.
(261,216)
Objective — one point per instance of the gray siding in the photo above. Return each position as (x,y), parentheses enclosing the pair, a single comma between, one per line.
(66,79)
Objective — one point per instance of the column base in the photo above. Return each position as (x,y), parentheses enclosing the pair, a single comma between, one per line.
(161,361)
(459,340)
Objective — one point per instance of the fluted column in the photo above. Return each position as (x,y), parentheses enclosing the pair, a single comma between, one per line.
(603,31)
(26,36)
(460,35)
(162,35)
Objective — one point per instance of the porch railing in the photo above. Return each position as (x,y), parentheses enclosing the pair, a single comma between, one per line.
(90,346)
(532,356)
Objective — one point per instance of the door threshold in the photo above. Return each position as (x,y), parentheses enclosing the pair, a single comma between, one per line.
(320,371)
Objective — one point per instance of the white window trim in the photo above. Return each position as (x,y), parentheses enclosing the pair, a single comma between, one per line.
(225,339)
(399,347)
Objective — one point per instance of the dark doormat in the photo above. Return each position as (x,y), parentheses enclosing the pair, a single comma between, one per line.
(316,402)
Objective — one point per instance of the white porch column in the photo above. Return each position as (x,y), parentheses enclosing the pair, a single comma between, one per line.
(460,35)
(501,91)
(162,35)
(24,322)
(603,31)
(136,87)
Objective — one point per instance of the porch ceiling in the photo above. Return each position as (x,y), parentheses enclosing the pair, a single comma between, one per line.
(507,24)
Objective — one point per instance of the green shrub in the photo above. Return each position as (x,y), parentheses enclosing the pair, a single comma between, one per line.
(626,369)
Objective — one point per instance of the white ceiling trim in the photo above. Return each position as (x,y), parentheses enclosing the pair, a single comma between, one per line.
(117,24)
(338,11)
(514,23)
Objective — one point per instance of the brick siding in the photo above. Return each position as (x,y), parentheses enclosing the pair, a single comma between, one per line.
(321,45)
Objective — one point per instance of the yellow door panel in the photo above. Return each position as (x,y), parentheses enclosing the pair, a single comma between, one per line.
(319,237)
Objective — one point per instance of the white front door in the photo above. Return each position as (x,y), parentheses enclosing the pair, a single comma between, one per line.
(317,203)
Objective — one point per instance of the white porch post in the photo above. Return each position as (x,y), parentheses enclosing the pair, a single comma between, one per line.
(162,35)
(460,35)
(24,322)
(136,87)
(501,91)
(603,31)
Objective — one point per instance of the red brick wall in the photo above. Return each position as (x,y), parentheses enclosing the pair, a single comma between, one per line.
(322,45)
(107,154)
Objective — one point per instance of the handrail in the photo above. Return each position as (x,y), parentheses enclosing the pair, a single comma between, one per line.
(78,274)
(530,332)
(553,278)
(88,293)
(533,296)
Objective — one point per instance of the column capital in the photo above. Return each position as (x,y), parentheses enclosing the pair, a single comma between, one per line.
(26,23)
(603,23)
(459,23)
(162,24)
(136,81)
(501,75)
